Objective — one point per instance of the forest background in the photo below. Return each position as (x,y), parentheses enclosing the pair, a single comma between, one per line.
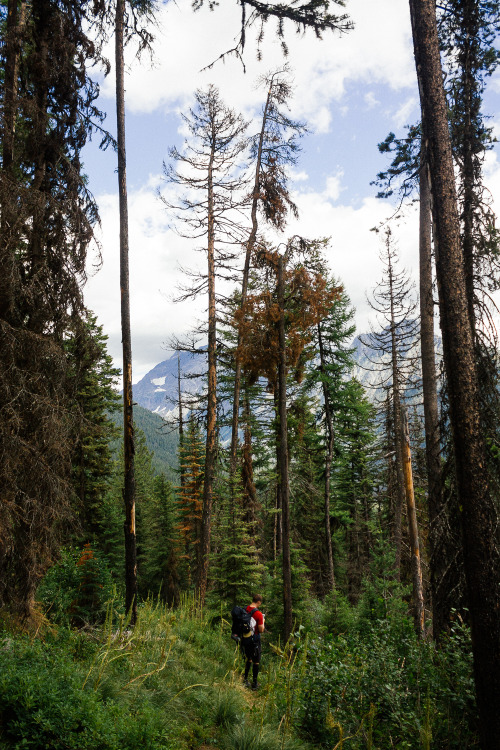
(321,504)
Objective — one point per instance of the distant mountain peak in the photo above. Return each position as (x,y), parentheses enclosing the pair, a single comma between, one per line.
(157,391)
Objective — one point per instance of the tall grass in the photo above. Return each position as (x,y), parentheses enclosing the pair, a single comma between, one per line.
(175,683)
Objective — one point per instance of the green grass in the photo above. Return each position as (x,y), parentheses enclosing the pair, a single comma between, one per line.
(174,683)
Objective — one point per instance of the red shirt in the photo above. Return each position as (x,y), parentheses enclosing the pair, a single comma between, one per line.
(257,616)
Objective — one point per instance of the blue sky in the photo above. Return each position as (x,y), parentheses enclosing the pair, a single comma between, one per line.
(350,90)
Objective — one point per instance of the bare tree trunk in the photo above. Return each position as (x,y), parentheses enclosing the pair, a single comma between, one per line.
(250,244)
(129,489)
(283,464)
(429,389)
(211,444)
(328,467)
(416,567)
(478,517)
(471,104)
(181,421)
(396,406)
(278,515)
(249,491)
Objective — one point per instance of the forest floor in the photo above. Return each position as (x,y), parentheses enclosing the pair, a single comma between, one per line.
(175,683)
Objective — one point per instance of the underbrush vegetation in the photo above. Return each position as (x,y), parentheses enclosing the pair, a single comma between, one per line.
(174,683)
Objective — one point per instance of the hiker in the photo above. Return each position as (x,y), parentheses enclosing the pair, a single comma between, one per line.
(251,645)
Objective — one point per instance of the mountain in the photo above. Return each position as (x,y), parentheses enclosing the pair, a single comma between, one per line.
(162,439)
(370,364)
(158,389)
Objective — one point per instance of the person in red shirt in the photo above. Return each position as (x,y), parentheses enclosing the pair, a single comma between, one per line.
(251,646)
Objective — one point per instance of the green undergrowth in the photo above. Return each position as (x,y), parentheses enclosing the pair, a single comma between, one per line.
(174,683)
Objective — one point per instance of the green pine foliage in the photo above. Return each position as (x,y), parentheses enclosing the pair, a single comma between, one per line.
(189,502)
(161,438)
(158,534)
(354,482)
(96,399)
(236,568)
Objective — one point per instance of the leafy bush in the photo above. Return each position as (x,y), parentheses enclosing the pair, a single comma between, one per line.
(384,686)
(77,588)
(42,704)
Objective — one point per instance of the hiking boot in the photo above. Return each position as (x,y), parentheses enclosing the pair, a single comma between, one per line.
(246,682)
(255,686)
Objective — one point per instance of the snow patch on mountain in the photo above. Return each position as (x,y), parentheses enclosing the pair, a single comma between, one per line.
(158,389)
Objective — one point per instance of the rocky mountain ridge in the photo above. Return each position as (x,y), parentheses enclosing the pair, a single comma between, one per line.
(157,391)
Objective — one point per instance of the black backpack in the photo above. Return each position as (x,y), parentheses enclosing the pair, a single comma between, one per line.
(241,622)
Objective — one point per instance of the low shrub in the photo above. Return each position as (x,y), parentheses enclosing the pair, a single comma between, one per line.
(229,709)
(42,704)
(77,588)
(383,686)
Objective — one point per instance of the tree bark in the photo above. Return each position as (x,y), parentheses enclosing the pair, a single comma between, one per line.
(16,13)
(181,422)
(283,463)
(129,489)
(12,50)
(478,517)
(250,244)
(328,468)
(470,113)
(211,440)
(396,408)
(416,567)
(430,395)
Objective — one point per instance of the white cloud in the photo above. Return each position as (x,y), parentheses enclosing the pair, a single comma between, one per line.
(187,42)
(297,175)
(333,186)
(154,275)
(354,249)
(371,100)
(408,109)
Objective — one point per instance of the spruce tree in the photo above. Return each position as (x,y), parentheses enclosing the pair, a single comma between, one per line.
(46,227)
(96,398)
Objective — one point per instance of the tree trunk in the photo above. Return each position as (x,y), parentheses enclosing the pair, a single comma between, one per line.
(129,489)
(250,501)
(181,422)
(250,244)
(278,517)
(396,407)
(471,104)
(416,567)
(211,444)
(283,463)
(430,396)
(12,51)
(328,467)
(16,13)
(478,517)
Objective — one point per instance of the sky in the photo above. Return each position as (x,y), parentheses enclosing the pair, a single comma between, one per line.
(351,90)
